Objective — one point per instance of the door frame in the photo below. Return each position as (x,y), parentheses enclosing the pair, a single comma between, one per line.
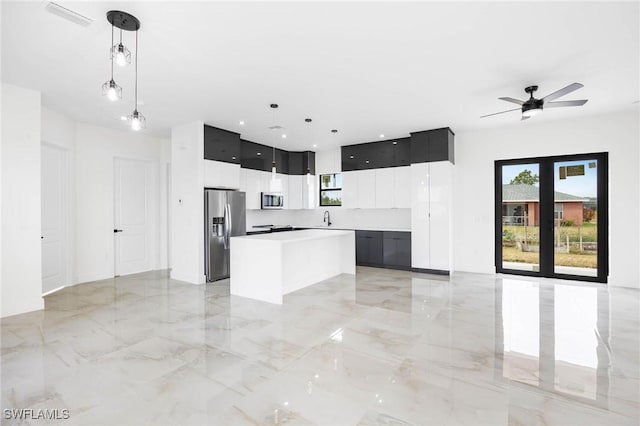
(67,212)
(546,169)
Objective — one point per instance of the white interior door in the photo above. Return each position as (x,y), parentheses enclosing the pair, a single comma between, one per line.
(131,216)
(54,203)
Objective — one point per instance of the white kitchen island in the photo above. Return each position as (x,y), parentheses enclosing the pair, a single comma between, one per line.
(268,266)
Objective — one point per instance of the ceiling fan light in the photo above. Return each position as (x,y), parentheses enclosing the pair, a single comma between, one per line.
(531,112)
(137,121)
(112,91)
(121,55)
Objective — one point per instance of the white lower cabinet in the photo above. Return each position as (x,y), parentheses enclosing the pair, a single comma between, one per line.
(431,185)
(218,174)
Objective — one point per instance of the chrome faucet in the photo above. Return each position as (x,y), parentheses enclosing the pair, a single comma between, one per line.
(327,218)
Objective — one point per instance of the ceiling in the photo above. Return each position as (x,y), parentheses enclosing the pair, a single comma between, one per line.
(363,68)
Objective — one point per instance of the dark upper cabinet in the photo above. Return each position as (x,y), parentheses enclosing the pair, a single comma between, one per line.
(255,156)
(376,155)
(296,163)
(221,145)
(282,161)
(432,145)
(299,161)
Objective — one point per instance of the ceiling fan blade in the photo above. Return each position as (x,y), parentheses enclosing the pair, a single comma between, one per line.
(564,103)
(524,117)
(564,91)
(501,112)
(515,101)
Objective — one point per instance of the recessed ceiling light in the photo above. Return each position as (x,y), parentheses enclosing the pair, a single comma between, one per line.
(241,123)
(395,142)
(123,117)
(351,156)
(259,153)
(284,136)
(381,135)
(367,161)
(334,131)
(315,145)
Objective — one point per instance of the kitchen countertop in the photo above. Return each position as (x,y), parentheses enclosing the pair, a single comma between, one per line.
(301,235)
(341,228)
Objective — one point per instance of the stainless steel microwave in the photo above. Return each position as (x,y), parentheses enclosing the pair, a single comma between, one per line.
(271,200)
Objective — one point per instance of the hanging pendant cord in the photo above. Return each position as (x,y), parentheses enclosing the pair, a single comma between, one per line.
(111,51)
(135,107)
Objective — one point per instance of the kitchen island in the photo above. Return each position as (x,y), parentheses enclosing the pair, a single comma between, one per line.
(268,266)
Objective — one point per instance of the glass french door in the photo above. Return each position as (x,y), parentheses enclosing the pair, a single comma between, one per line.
(551,217)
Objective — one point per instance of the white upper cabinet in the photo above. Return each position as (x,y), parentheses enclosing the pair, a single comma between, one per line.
(252,186)
(384,185)
(219,174)
(350,190)
(295,192)
(366,189)
(401,187)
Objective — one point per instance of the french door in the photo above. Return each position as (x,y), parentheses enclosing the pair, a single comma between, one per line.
(551,217)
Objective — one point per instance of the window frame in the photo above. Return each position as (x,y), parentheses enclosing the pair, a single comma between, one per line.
(321,190)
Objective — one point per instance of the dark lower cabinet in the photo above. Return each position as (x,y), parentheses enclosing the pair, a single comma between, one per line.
(369,248)
(387,249)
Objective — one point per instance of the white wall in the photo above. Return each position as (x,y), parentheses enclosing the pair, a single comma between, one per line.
(92,152)
(21,265)
(473,191)
(187,202)
(96,150)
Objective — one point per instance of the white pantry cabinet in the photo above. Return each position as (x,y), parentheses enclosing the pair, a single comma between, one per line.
(431,186)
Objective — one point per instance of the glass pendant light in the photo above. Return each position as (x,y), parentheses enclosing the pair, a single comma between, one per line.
(120,53)
(137,120)
(309,178)
(110,89)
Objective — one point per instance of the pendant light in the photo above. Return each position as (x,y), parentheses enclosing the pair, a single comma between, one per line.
(120,53)
(309,178)
(137,120)
(110,89)
(122,56)
(275,185)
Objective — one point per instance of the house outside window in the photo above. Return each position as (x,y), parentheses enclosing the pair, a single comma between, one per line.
(558,211)
(331,190)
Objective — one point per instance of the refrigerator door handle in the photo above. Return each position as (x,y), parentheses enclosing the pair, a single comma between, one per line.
(230,227)
(226,228)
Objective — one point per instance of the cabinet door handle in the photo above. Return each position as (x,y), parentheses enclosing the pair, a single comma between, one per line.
(117,230)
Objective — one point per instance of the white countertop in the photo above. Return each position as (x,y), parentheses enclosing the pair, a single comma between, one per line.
(307,234)
(332,228)
(360,228)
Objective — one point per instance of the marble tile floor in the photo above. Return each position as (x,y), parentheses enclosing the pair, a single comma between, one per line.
(381,347)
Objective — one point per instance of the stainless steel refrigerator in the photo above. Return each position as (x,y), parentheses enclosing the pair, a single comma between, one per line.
(225,217)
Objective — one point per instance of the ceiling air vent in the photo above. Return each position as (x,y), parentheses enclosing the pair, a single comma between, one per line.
(68,14)
(276,127)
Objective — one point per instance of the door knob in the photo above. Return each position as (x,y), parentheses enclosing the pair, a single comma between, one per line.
(117,230)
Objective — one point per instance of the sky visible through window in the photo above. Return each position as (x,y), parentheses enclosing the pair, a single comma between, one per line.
(581,186)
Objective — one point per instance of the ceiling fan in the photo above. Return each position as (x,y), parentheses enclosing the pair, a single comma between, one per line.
(533,106)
